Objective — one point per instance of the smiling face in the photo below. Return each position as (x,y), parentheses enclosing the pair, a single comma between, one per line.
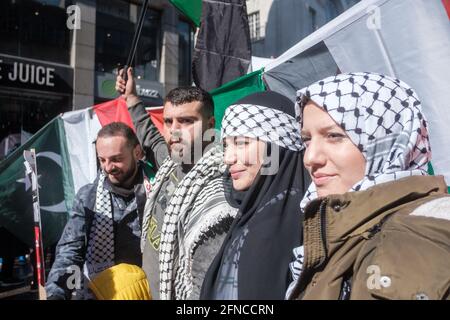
(183,125)
(118,159)
(244,157)
(333,161)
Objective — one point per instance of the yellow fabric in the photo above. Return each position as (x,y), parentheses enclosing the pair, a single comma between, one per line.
(121,282)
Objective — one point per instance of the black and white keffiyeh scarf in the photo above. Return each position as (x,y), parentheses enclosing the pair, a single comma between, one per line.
(268,124)
(383,118)
(100,251)
(100,245)
(188,219)
(100,248)
(268,224)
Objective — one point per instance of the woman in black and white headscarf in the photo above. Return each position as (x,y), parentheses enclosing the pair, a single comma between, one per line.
(263,153)
(375,225)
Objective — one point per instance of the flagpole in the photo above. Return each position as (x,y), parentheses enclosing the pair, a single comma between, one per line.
(136,37)
(31,171)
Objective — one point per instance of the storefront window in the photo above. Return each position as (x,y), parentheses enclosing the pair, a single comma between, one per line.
(185,48)
(32,92)
(23,114)
(35,29)
(116,21)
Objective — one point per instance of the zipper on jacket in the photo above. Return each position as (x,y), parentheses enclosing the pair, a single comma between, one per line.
(323,224)
(307,274)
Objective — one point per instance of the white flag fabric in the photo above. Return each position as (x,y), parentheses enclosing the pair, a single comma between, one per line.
(409,40)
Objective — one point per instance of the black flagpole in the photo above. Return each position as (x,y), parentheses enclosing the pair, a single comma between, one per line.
(137,35)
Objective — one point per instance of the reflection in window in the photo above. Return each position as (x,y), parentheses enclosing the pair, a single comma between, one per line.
(253,22)
(185,48)
(313,19)
(24,113)
(115,23)
(35,29)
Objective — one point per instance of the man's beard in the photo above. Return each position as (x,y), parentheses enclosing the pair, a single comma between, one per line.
(188,154)
(124,178)
(181,153)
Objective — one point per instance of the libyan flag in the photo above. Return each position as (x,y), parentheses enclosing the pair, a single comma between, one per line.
(66,161)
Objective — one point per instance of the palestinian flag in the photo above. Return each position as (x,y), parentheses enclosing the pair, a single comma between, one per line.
(402,38)
(406,39)
(66,161)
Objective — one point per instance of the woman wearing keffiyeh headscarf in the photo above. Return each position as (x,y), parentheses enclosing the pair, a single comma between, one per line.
(376,226)
(262,149)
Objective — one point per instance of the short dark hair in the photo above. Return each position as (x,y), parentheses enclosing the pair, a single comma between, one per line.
(182,95)
(115,129)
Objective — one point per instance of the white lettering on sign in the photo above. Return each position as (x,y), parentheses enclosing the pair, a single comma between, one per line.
(49,77)
(147,92)
(29,73)
(40,72)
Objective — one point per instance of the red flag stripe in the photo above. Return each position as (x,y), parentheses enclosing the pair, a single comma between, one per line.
(156,114)
(113,111)
(116,111)
(447,6)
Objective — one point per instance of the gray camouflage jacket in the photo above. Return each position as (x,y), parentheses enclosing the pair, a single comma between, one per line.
(71,249)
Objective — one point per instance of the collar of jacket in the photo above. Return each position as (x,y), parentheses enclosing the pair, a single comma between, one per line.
(331,221)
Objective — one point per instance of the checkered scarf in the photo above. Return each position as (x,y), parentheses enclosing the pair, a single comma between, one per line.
(383,118)
(100,247)
(267,210)
(263,123)
(185,219)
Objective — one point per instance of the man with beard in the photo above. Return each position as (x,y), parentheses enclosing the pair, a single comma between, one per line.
(104,227)
(186,216)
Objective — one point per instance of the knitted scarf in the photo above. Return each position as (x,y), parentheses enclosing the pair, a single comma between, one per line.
(188,219)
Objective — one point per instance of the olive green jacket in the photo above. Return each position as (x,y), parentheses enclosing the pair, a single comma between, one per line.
(391,241)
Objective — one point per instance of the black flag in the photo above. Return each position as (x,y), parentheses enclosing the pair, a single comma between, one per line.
(223,49)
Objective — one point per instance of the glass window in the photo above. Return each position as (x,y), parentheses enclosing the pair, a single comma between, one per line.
(23,113)
(313,19)
(35,29)
(185,48)
(253,22)
(116,23)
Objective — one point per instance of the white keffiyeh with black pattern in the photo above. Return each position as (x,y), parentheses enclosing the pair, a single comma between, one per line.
(100,246)
(188,218)
(100,249)
(263,123)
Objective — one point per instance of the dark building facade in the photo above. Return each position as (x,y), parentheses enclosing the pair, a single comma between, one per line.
(62,55)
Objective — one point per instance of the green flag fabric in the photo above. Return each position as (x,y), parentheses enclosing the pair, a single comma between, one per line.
(16,211)
(192,9)
(235,90)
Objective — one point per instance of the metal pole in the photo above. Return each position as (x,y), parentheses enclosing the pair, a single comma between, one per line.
(31,171)
(136,37)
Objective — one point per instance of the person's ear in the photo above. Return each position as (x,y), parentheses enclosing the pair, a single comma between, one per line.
(211,122)
(138,152)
